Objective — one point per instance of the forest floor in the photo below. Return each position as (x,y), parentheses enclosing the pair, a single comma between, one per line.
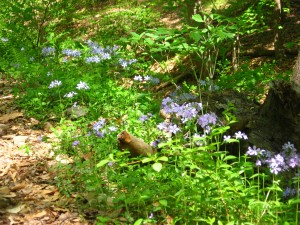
(28,194)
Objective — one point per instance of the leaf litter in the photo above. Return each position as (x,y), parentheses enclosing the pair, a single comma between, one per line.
(27,191)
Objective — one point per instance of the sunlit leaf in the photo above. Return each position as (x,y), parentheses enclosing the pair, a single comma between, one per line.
(138,222)
(198,18)
(163,202)
(157,166)
(145,160)
(102,162)
(163,158)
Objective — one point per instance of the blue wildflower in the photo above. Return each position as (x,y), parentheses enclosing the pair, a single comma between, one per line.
(75,143)
(99,125)
(71,52)
(124,63)
(240,135)
(258,163)
(70,94)
(100,134)
(202,82)
(82,85)
(111,163)
(112,129)
(253,151)
(138,78)
(162,126)
(155,143)
(173,128)
(226,137)
(207,119)
(93,59)
(151,216)
(276,164)
(154,81)
(4,39)
(289,193)
(55,83)
(48,51)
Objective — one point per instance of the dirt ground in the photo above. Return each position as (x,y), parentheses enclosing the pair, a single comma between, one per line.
(28,194)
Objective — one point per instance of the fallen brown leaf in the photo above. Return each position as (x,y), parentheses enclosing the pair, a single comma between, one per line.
(4,190)
(11,116)
(18,187)
(16,209)
(39,214)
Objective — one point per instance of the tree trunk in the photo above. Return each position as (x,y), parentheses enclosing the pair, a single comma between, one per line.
(279,119)
(192,7)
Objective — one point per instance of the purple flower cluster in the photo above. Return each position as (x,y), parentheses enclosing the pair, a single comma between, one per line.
(96,49)
(75,143)
(155,143)
(237,135)
(240,135)
(209,85)
(206,121)
(93,59)
(147,79)
(48,51)
(99,130)
(179,96)
(144,118)
(168,128)
(71,52)
(189,112)
(124,63)
(70,94)
(99,125)
(100,53)
(283,161)
(186,111)
(289,193)
(55,83)
(82,85)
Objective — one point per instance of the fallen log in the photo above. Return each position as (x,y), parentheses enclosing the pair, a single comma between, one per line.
(134,145)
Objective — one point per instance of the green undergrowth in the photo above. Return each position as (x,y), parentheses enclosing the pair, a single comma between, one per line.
(93,89)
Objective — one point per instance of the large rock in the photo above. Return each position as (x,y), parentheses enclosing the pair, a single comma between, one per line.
(75,112)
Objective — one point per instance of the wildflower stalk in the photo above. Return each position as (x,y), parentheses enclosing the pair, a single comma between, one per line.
(198,84)
(258,183)
(297,205)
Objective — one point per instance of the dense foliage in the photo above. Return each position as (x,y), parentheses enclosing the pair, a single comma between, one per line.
(93,79)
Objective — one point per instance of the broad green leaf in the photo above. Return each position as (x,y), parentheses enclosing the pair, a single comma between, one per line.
(102,162)
(229,157)
(138,222)
(149,41)
(198,18)
(145,160)
(195,35)
(157,166)
(163,158)
(163,202)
